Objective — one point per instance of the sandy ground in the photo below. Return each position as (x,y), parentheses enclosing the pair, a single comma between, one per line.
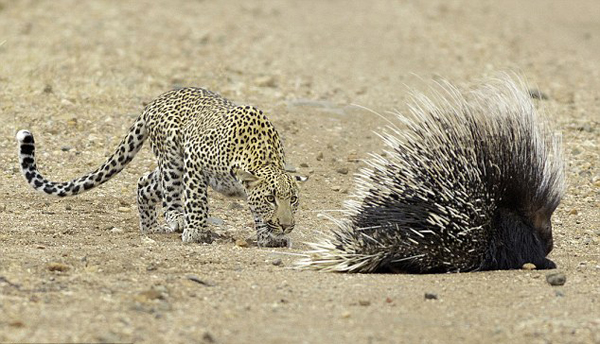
(77,74)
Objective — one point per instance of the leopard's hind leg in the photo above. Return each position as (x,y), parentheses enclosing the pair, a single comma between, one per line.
(149,196)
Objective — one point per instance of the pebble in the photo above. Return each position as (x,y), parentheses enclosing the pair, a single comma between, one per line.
(58,267)
(277,262)
(147,240)
(431,296)
(215,221)
(585,127)
(116,230)
(529,266)
(68,207)
(303,164)
(352,157)
(573,212)
(290,168)
(207,337)
(123,210)
(342,170)
(235,205)
(65,148)
(346,315)
(149,295)
(265,81)
(364,302)
(556,278)
(335,188)
(319,156)
(241,243)
(16,323)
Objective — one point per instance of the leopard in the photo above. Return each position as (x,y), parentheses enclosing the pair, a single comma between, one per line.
(200,139)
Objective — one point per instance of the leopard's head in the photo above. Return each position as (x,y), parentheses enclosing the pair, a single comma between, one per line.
(272,195)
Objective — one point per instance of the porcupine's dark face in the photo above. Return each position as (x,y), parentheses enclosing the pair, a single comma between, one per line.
(519,239)
(543,226)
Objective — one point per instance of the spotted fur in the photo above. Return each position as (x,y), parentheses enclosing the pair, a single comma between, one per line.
(199,139)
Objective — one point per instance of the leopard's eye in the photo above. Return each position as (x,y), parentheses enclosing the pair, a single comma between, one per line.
(271,199)
(293,199)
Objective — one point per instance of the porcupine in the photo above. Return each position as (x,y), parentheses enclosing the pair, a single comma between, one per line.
(470,184)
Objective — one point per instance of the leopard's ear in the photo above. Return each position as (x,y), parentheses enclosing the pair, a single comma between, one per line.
(248,179)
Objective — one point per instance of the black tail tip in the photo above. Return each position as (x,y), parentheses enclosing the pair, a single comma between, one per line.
(24,136)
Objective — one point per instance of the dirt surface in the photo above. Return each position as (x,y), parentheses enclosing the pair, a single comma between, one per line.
(77,74)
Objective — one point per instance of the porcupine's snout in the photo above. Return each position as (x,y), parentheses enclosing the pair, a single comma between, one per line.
(518,242)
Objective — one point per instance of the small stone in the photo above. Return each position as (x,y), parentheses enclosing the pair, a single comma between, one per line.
(346,314)
(303,164)
(342,170)
(335,188)
(208,338)
(16,323)
(573,212)
(65,148)
(529,266)
(559,293)
(149,295)
(60,267)
(556,278)
(241,243)
(277,262)
(319,156)
(364,302)
(147,240)
(585,127)
(290,168)
(41,247)
(48,88)
(388,300)
(68,207)
(431,296)
(265,81)
(123,209)
(215,221)
(235,205)
(116,230)
(352,157)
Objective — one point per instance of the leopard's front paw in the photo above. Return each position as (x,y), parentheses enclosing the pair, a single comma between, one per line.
(199,236)
(271,241)
(175,221)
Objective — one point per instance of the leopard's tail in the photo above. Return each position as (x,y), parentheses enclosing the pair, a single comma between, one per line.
(124,153)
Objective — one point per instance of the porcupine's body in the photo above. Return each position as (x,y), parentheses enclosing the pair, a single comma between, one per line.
(470,184)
